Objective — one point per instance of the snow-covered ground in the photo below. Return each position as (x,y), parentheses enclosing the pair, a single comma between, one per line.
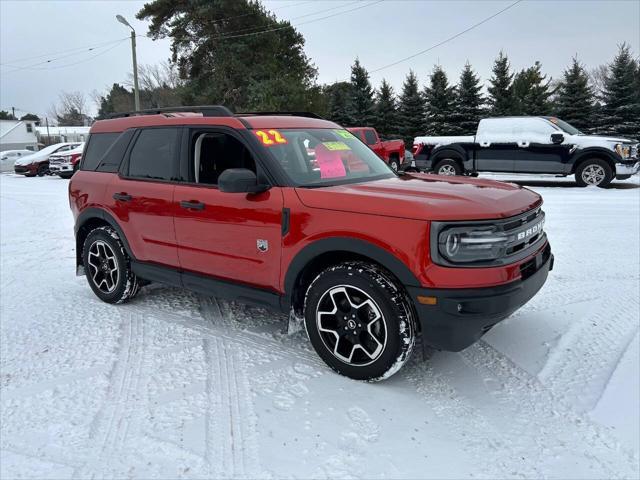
(178,385)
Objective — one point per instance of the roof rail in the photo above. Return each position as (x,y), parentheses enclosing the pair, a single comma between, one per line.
(206,110)
(293,114)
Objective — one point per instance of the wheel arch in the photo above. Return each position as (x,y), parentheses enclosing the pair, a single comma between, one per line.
(90,219)
(321,254)
(594,152)
(454,152)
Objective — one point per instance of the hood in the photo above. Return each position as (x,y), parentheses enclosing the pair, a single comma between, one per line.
(29,159)
(425,197)
(596,140)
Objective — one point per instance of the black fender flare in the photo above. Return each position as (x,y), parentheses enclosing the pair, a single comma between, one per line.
(98,213)
(455,151)
(598,152)
(347,245)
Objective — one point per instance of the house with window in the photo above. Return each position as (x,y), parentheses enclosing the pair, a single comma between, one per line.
(18,135)
(50,135)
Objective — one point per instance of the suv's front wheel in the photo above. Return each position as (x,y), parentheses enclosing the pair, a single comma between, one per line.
(107,266)
(359,321)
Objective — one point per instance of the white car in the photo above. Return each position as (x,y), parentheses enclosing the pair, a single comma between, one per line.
(8,158)
(38,162)
(65,163)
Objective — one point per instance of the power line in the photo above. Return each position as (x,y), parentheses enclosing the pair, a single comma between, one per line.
(448,39)
(224,37)
(252,13)
(77,49)
(68,64)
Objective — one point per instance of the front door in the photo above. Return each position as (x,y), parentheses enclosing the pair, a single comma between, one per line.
(231,236)
(537,153)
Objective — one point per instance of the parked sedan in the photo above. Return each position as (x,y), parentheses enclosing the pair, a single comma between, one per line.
(8,158)
(38,163)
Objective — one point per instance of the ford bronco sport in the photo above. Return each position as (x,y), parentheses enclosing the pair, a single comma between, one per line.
(294,212)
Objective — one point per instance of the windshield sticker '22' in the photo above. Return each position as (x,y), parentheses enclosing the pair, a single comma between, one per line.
(271,137)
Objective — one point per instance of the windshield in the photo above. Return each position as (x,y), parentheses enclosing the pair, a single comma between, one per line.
(564,126)
(323,157)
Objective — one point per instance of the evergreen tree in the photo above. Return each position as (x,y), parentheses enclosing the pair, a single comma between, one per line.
(362,105)
(31,116)
(4,115)
(386,121)
(440,98)
(574,100)
(411,110)
(468,102)
(531,92)
(621,97)
(338,97)
(222,62)
(501,88)
(118,99)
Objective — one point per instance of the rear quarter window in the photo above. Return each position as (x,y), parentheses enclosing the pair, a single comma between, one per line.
(97,147)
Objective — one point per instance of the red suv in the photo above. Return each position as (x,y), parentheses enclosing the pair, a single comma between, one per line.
(292,211)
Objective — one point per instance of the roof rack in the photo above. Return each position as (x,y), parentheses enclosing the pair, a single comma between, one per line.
(293,114)
(206,110)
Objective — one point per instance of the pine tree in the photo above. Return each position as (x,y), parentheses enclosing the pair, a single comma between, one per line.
(411,110)
(621,109)
(339,98)
(501,88)
(386,121)
(362,105)
(468,102)
(574,100)
(531,92)
(440,99)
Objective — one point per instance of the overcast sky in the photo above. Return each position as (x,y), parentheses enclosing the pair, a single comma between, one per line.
(33,32)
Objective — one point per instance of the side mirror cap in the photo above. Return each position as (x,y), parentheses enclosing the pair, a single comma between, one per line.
(557,138)
(240,180)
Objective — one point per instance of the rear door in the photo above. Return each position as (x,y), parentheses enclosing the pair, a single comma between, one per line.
(496,145)
(232,236)
(141,196)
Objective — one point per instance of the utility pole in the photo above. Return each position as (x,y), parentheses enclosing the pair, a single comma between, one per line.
(46,119)
(13,112)
(136,91)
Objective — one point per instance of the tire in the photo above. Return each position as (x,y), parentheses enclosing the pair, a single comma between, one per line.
(103,250)
(348,345)
(394,164)
(594,172)
(447,167)
(42,170)
(66,176)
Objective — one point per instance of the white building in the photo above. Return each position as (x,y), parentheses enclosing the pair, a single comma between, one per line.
(50,135)
(18,135)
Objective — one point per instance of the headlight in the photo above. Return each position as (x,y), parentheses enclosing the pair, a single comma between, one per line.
(486,243)
(623,150)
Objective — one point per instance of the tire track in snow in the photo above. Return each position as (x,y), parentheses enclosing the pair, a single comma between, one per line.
(111,424)
(581,364)
(230,436)
(545,420)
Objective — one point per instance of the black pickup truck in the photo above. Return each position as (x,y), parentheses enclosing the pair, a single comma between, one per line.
(529,145)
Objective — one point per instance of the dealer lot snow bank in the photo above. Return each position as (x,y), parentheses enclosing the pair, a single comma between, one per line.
(178,385)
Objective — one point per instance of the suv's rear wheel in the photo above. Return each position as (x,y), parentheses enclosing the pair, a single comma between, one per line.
(448,166)
(359,321)
(107,266)
(594,172)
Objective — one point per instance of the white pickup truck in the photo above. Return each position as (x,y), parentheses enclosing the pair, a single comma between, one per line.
(529,145)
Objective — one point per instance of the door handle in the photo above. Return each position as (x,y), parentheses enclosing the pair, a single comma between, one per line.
(192,205)
(123,197)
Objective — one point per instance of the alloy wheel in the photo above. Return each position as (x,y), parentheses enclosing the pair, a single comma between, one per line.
(593,174)
(351,325)
(446,170)
(103,266)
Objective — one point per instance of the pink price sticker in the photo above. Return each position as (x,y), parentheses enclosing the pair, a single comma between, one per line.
(330,162)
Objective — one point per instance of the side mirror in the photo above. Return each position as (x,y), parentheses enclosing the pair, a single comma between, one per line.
(240,180)
(557,138)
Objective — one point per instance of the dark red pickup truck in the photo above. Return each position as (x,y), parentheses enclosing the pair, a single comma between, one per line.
(295,213)
(391,151)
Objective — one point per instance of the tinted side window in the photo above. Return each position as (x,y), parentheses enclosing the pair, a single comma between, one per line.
(154,154)
(370,137)
(98,145)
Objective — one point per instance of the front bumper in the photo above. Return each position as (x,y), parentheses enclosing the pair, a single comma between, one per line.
(461,316)
(25,169)
(60,167)
(627,168)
